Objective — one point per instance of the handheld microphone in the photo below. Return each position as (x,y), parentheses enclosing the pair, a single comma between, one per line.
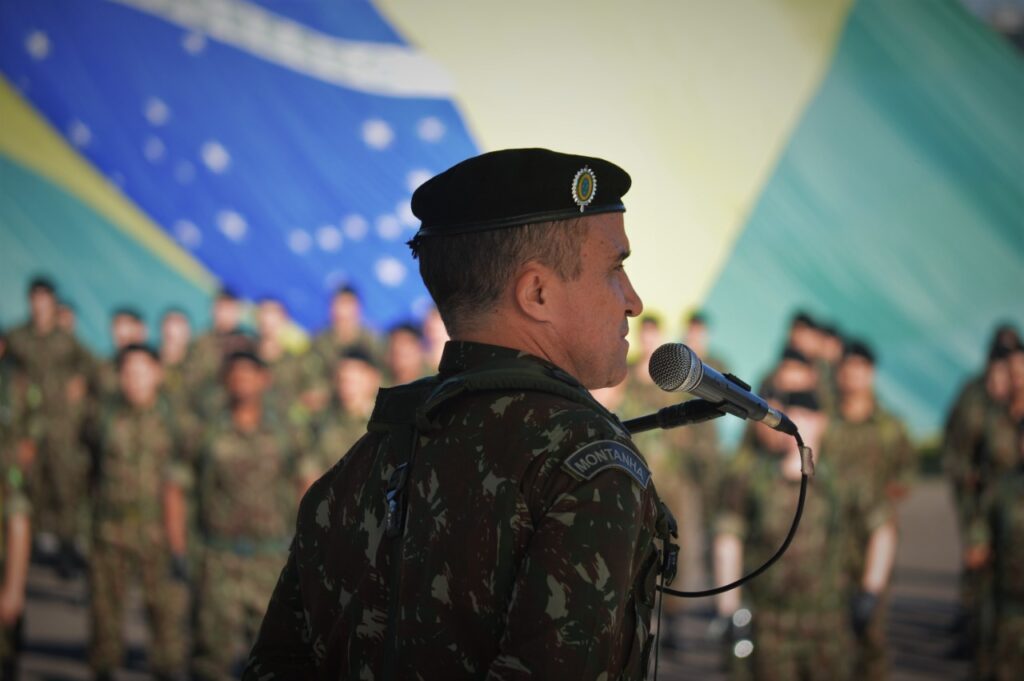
(674,367)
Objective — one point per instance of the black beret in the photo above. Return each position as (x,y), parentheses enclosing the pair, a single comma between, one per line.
(41,284)
(791,353)
(244,356)
(358,353)
(804,399)
(858,348)
(515,187)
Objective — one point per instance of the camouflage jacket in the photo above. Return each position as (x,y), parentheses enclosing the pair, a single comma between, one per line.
(757,505)
(1001,527)
(246,484)
(135,452)
(874,457)
(528,548)
(335,431)
(49,362)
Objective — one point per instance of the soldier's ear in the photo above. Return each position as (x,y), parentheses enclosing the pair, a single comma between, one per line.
(535,292)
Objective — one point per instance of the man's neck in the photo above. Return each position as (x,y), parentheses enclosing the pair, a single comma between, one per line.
(43,328)
(345,333)
(247,415)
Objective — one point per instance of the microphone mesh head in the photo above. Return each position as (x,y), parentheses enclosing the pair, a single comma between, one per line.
(676,368)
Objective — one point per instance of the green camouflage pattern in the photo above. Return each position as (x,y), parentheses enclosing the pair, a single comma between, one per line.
(509,565)
(1000,526)
(810,584)
(335,432)
(874,460)
(56,480)
(135,454)
(246,482)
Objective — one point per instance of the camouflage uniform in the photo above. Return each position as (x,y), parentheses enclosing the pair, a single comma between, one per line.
(997,458)
(56,480)
(800,618)
(1001,528)
(13,503)
(136,454)
(873,460)
(522,554)
(290,377)
(325,350)
(335,432)
(247,493)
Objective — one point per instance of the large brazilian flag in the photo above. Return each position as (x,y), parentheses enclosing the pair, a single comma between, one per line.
(861,160)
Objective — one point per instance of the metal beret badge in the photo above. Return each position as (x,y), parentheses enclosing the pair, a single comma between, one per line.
(584,187)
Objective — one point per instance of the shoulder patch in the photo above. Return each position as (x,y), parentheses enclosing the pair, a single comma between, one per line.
(591,459)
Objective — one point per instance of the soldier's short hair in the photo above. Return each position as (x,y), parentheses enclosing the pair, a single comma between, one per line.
(129,312)
(467,273)
(239,356)
(347,290)
(357,353)
(406,327)
(859,348)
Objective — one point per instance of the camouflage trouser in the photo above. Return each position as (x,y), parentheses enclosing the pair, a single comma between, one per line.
(807,646)
(56,484)
(111,569)
(872,651)
(1009,653)
(231,598)
(980,619)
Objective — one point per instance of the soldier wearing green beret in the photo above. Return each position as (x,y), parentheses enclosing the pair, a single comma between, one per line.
(495,521)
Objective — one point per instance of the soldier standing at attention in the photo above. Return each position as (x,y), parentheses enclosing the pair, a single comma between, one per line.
(15,550)
(495,521)
(138,516)
(873,458)
(126,328)
(997,538)
(356,381)
(55,366)
(206,354)
(175,335)
(289,374)
(798,610)
(345,330)
(247,494)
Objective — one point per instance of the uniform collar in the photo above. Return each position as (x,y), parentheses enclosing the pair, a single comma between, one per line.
(458,356)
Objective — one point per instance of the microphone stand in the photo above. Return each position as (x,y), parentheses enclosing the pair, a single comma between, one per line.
(683,414)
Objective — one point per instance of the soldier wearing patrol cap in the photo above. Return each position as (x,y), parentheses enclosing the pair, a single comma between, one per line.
(495,521)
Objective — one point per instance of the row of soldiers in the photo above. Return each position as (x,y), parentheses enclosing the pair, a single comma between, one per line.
(180,468)
(983,452)
(820,611)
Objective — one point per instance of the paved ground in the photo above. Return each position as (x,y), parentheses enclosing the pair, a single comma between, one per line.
(922,613)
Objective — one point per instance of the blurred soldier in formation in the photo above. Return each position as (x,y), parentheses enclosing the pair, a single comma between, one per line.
(136,491)
(126,328)
(406,356)
(15,535)
(810,340)
(972,456)
(207,352)
(435,336)
(797,612)
(345,330)
(55,367)
(356,381)
(248,491)
(67,317)
(175,336)
(15,550)
(868,449)
(996,538)
(290,374)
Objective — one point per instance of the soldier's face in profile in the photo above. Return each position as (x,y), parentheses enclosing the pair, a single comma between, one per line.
(345,310)
(593,323)
(356,382)
(140,378)
(43,305)
(125,330)
(226,314)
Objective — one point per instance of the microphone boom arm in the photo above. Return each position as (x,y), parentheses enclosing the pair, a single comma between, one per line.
(683,414)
